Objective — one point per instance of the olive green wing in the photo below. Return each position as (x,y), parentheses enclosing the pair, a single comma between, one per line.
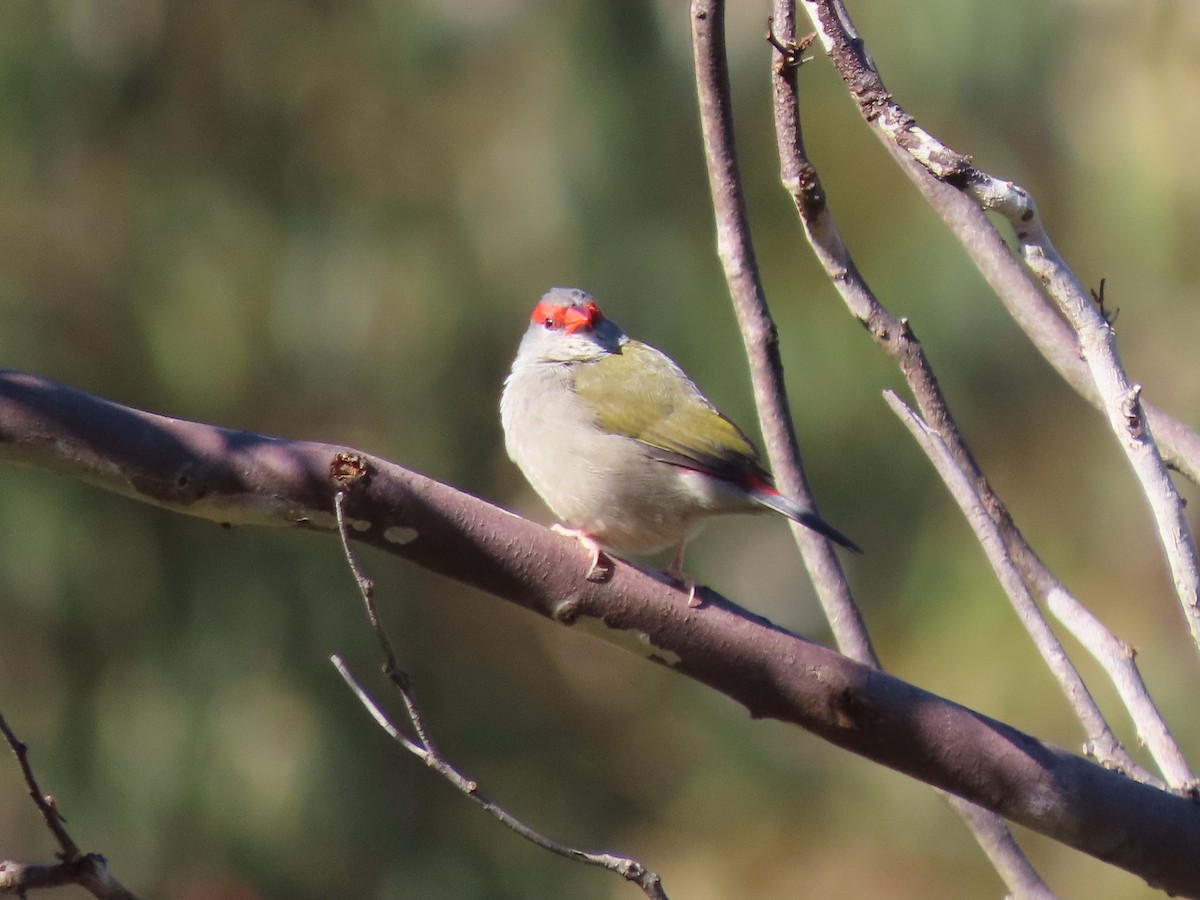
(641,393)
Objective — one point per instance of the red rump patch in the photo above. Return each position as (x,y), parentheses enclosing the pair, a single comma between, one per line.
(569,318)
(756,482)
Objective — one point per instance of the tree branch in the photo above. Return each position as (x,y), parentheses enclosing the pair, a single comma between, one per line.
(239,477)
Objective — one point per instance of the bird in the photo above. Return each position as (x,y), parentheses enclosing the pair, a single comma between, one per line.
(621,444)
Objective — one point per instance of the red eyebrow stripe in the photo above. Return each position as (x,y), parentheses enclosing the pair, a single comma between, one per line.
(544,311)
(571,318)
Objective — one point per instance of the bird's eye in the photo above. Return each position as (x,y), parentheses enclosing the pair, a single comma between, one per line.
(549,322)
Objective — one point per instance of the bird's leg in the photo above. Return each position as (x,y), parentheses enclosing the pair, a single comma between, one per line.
(601,568)
(683,579)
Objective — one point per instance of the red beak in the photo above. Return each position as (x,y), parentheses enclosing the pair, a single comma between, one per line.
(574,319)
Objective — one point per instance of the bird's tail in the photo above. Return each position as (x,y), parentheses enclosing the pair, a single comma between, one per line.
(772,499)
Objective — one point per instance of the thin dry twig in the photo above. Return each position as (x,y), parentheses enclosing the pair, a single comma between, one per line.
(895,337)
(391,668)
(423,748)
(87,870)
(44,802)
(1118,659)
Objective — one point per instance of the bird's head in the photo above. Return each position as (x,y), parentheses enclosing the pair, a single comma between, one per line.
(567,325)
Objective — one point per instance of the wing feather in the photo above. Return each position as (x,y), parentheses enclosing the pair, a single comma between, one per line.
(647,397)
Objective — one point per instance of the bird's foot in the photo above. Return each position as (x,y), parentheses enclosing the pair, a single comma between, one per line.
(601,568)
(685,581)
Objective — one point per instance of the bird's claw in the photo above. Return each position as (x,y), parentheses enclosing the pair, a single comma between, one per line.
(686,583)
(601,568)
(683,579)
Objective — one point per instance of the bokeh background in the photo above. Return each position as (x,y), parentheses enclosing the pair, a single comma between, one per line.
(329,220)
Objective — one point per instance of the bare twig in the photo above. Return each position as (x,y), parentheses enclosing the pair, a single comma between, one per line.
(225,475)
(44,802)
(87,870)
(895,337)
(1120,398)
(1011,863)
(1118,661)
(757,329)
(422,747)
(397,675)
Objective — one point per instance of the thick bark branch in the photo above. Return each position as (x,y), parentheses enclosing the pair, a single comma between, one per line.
(238,477)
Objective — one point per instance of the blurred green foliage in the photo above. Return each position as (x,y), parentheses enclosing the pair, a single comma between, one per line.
(328,220)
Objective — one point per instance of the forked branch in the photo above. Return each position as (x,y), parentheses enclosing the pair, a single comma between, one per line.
(87,870)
